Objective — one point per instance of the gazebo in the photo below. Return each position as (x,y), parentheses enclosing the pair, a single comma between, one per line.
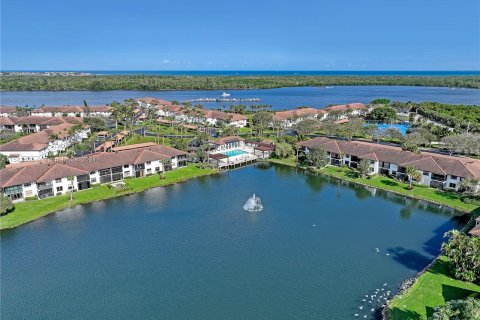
(217,157)
(264,149)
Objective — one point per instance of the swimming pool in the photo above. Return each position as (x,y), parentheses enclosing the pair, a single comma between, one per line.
(233,153)
(401,127)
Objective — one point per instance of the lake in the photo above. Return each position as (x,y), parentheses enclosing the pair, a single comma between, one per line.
(281,98)
(189,251)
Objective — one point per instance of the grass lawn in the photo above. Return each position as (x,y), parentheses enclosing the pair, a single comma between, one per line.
(447,198)
(442,197)
(30,210)
(433,288)
(140,139)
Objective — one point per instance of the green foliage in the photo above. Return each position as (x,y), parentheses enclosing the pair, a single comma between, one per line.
(96,123)
(413,175)
(465,143)
(6,204)
(468,309)
(410,146)
(464,254)
(32,198)
(318,157)
(147,82)
(3,160)
(306,126)
(385,102)
(283,150)
(363,168)
(261,120)
(456,116)
(180,143)
(469,187)
(383,114)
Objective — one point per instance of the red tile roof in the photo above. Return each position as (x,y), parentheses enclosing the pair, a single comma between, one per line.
(47,170)
(425,161)
(37,141)
(297,113)
(154,101)
(345,107)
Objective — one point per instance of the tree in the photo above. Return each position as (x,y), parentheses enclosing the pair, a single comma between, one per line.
(283,149)
(393,133)
(318,157)
(410,146)
(71,179)
(384,102)
(329,127)
(306,126)
(3,160)
(363,168)
(458,310)
(463,252)
(470,187)
(383,114)
(261,120)
(6,204)
(413,175)
(376,133)
(96,124)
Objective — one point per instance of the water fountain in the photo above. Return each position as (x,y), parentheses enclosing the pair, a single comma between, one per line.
(253,204)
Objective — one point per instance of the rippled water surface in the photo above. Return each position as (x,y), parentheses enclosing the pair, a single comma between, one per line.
(189,251)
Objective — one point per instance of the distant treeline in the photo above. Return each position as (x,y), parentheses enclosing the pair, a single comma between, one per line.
(461,117)
(145,82)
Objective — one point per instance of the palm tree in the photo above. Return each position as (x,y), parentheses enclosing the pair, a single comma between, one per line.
(413,174)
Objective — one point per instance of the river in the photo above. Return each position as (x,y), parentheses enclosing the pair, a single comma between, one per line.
(279,99)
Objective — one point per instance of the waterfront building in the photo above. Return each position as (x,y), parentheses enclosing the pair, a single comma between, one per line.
(32,124)
(290,118)
(438,170)
(72,111)
(344,111)
(39,145)
(6,111)
(48,178)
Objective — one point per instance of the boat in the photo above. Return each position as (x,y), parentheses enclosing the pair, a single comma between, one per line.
(224,94)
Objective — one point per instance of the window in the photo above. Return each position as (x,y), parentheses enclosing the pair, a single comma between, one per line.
(452,185)
(157,169)
(126,166)
(59,189)
(58,180)
(426,173)
(27,184)
(93,180)
(453,177)
(148,162)
(126,173)
(149,170)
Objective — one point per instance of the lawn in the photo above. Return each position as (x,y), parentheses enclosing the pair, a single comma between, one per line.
(442,197)
(31,210)
(451,199)
(140,139)
(433,288)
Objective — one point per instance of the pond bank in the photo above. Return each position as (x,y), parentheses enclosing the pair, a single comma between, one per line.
(31,210)
(444,198)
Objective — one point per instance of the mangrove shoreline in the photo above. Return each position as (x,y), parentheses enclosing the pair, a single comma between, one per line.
(160,83)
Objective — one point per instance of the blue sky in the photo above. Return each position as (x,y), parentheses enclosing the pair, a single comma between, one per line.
(240,35)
